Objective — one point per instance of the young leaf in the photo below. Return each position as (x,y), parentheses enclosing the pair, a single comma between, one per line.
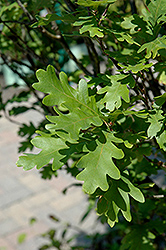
(99,163)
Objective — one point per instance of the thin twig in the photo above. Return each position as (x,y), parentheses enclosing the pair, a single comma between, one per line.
(70,5)
(64,44)
(104,14)
(26,11)
(93,55)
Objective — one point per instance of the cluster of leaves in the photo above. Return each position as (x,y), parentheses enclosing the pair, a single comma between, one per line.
(112,125)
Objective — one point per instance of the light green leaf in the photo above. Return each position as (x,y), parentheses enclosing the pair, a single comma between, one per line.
(156,11)
(59,91)
(83,20)
(127,24)
(156,122)
(21,238)
(114,93)
(89,24)
(98,164)
(94,31)
(8,7)
(122,36)
(88,3)
(161,140)
(50,150)
(75,121)
(126,213)
(134,191)
(153,47)
(137,67)
(83,109)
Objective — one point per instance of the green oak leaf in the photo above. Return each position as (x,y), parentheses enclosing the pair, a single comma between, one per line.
(98,164)
(116,199)
(137,239)
(156,122)
(160,67)
(114,93)
(89,25)
(52,17)
(59,91)
(50,150)
(161,140)
(160,100)
(83,110)
(156,11)
(153,47)
(88,3)
(75,121)
(137,67)
(134,191)
(122,36)
(94,31)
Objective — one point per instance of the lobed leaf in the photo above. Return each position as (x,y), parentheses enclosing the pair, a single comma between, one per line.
(95,171)
(114,93)
(50,150)
(156,11)
(156,122)
(153,47)
(83,110)
(88,3)
(75,121)
(43,21)
(116,199)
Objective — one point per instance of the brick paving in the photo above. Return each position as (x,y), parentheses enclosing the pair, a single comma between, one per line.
(24,195)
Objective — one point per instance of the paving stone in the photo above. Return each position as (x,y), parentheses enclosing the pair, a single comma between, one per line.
(8,183)
(20,214)
(5,245)
(8,226)
(75,196)
(6,199)
(34,182)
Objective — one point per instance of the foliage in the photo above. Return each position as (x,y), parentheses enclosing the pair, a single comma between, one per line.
(112,122)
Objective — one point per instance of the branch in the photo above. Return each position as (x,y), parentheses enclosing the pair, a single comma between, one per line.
(70,5)
(48,109)
(104,14)
(93,55)
(26,11)
(64,44)
(17,43)
(14,21)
